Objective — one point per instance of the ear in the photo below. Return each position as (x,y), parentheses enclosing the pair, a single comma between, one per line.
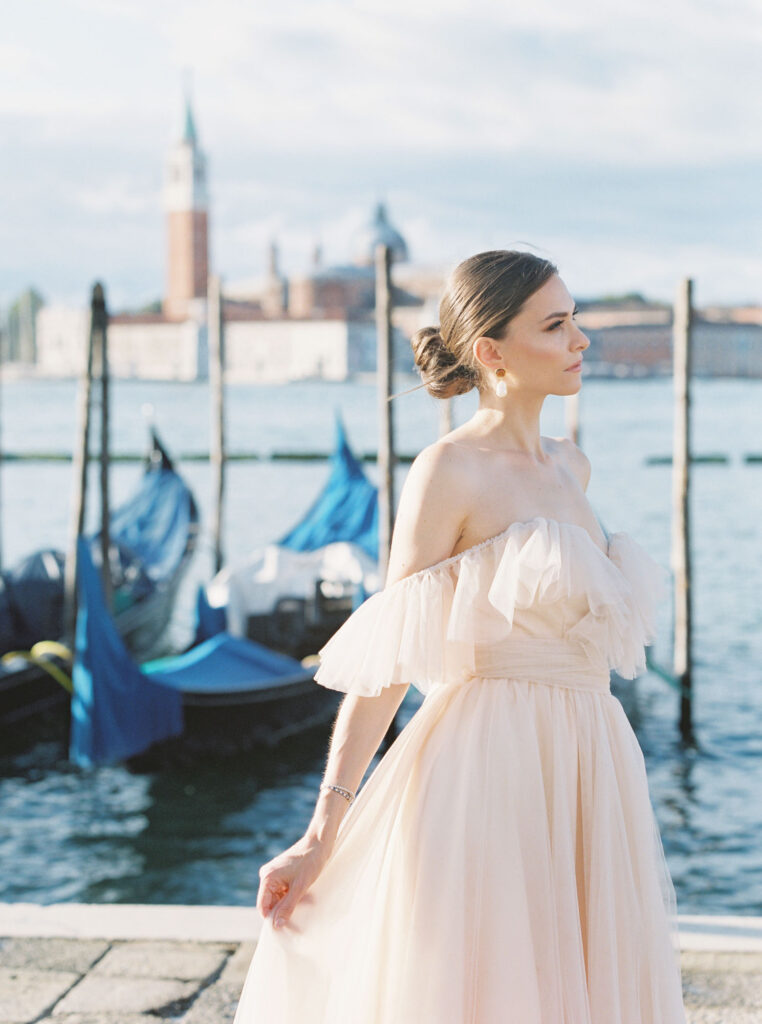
(487,352)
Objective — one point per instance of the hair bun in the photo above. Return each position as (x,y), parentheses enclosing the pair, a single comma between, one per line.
(441,372)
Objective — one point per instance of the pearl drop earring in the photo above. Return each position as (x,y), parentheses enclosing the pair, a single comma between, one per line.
(501,390)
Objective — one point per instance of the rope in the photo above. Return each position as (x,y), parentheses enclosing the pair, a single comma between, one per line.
(39,654)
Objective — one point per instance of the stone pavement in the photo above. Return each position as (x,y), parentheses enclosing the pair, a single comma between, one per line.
(80,978)
(94,981)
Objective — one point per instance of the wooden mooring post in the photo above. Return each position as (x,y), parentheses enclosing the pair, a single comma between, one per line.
(384,358)
(681,533)
(386,456)
(95,357)
(216,336)
(100,319)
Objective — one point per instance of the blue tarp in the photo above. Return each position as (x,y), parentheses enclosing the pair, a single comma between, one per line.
(210,620)
(346,509)
(150,535)
(225,664)
(154,523)
(117,711)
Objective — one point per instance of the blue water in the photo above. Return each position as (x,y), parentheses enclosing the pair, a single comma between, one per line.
(199,835)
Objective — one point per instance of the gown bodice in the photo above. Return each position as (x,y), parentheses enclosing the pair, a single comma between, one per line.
(539,599)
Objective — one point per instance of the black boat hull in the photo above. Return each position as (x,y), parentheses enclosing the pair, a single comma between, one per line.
(216,729)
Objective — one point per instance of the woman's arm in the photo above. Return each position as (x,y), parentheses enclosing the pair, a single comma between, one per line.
(426,529)
(360,725)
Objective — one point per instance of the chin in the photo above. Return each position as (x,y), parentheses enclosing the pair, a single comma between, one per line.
(572,388)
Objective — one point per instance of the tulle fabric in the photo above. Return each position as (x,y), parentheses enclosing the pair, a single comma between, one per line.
(424,628)
(502,863)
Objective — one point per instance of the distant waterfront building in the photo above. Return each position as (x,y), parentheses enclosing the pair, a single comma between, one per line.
(379,231)
(61,338)
(142,345)
(166,345)
(321,323)
(186,203)
(349,289)
(19,340)
(632,337)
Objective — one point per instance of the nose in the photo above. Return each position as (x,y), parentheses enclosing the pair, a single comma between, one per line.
(583,337)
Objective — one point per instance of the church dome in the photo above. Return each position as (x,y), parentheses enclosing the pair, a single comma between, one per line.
(379,231)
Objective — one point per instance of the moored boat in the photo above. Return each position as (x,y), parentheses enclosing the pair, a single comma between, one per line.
(221,697)
(295,592)
(153,537)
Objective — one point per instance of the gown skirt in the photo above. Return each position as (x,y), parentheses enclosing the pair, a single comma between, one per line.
(502,863)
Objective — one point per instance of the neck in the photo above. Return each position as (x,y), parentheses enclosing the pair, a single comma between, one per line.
(511,423)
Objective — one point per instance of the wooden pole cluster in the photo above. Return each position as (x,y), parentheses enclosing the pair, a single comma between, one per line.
(681,547)
(96,360)
(216,337)
(386,456)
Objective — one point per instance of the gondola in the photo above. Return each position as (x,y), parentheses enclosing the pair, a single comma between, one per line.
(242,683)
(153,537)
(292,594)
(220,698)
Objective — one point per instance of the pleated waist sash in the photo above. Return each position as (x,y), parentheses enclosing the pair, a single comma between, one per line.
(550,660)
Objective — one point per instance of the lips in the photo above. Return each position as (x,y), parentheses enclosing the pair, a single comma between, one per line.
(575,366)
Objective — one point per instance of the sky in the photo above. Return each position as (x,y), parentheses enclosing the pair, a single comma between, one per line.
(622,140)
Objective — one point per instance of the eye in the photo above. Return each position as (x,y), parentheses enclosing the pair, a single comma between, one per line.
(557,323)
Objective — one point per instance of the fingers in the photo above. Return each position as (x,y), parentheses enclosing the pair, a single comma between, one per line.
(285,908)
(270,891)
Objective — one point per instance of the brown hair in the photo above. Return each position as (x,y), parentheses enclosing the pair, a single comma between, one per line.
(483,294)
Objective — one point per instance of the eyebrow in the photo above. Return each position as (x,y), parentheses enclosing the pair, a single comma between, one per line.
(556,315)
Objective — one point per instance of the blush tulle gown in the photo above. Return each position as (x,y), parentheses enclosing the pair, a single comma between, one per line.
(502,863)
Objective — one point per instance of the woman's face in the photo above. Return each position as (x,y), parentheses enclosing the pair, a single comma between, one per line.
(542,342)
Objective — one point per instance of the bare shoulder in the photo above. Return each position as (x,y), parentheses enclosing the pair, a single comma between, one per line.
(431,509)
(574,459)
(440,465)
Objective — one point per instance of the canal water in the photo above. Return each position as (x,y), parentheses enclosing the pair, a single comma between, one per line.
(199,835)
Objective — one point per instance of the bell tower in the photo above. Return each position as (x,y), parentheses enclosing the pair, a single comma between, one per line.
(186,202)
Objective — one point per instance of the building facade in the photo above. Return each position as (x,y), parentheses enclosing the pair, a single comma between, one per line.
(186,204)
(321,323)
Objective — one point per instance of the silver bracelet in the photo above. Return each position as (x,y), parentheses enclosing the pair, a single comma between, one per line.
(347,793)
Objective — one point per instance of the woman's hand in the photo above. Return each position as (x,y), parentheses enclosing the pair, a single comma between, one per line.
(284,879)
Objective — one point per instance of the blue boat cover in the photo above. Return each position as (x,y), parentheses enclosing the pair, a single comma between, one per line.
(116,710)
(210,620)
(346,509)
(151,534)
(226,664)
(155,522)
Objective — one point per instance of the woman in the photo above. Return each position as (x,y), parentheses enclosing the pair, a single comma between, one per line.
(502,862)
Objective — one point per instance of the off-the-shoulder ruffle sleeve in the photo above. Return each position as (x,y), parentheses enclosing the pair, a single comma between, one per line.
(424,628)
(395,636)
(623,600)
(542,562)
(649,584)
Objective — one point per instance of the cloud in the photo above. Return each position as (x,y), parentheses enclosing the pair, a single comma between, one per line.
(641,83)
(630,130)
(117,196)
(647,82)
